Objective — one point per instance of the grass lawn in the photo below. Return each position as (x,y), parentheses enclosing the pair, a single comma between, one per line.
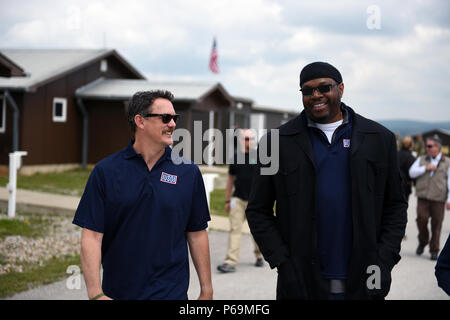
(33,276)
(70,182)
(29,226)
(217,201)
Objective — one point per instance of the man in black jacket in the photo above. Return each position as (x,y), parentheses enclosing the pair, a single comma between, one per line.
(442,268)
(340,211)
(405,161)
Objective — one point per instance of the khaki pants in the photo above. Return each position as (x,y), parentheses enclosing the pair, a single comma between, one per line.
(435,210)
(237,219)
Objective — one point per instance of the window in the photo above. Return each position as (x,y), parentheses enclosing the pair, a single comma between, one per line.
(59,109)
(104,65)
(2,114)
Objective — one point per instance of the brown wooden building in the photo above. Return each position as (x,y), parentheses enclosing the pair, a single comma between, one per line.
(69,106)
(264,117)
(208,103)
(38,106)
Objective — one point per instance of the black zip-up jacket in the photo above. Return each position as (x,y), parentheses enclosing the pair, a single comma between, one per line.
(288,240)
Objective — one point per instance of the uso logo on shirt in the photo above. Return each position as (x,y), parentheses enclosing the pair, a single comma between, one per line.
(168,178)
(346,143)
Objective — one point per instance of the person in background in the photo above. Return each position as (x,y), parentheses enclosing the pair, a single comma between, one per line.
(432,174)
(405,160)
(419,146)
(240,178)
(398,141)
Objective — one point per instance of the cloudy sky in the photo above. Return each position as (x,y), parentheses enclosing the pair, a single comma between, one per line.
(393,55)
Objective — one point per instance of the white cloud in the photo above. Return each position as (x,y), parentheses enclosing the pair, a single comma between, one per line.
(302,39)
(28,30)
(263,44)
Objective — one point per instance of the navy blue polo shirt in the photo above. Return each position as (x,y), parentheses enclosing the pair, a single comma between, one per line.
(144,216)
(333,198)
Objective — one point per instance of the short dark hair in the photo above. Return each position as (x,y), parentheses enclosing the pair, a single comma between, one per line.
(141,101)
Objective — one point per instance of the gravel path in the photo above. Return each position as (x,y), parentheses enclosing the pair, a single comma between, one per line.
(62,239)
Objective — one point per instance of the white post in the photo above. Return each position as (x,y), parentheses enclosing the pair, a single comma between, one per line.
(15,162)
(208,179)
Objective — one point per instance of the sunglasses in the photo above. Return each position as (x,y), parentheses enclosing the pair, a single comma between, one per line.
(308,91)
(165,117)
(430,146)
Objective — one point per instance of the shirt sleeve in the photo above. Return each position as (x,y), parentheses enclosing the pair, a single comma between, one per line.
(232,167)
(416,170)
(90,212)
(232,170)
(199,215)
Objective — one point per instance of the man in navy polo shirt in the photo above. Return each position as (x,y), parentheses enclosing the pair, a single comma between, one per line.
(140,211)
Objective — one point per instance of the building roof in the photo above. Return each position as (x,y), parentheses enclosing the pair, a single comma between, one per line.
(12,68)
(44,65)
(437,130)
(274,110)
(123,89)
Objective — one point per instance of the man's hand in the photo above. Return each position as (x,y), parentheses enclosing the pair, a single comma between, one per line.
(447,205)
(430,167)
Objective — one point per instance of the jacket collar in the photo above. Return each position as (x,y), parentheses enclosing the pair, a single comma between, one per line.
(345,118)
(301,122)
(298,128)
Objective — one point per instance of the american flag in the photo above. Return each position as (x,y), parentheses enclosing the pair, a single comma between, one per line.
(213,64)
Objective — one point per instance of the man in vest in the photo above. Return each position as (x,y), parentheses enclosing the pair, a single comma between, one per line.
(432,174)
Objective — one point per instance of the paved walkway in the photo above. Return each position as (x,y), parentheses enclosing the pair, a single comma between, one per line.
(413,278)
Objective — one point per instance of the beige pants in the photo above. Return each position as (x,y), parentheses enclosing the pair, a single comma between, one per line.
(237,219)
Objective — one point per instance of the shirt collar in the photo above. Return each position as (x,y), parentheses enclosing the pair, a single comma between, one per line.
(438,157)
(130,153)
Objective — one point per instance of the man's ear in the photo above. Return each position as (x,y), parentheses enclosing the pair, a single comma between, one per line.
(341,89)
(139,121)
